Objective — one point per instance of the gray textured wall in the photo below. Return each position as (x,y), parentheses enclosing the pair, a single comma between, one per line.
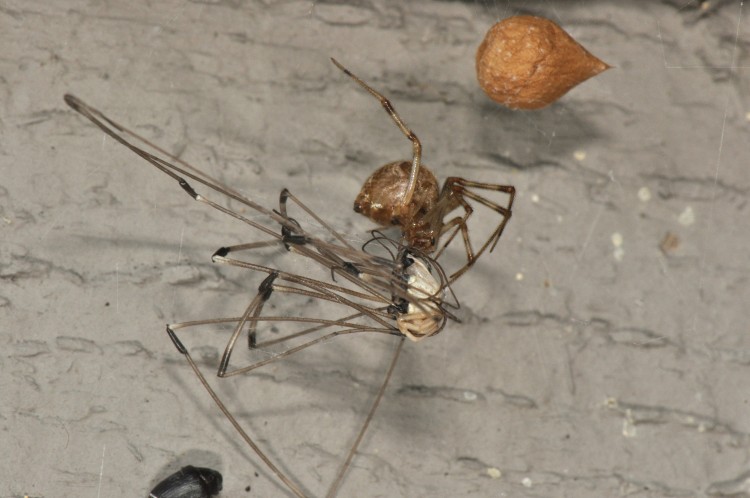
(606,370)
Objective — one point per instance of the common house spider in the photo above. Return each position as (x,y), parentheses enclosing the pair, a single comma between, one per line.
(406,194)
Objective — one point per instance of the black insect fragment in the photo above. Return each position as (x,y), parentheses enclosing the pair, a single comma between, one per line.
(189,482)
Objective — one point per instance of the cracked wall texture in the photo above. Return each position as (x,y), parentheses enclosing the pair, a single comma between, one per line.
(603,349)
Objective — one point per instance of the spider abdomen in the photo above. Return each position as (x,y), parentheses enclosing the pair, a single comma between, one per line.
(382,194)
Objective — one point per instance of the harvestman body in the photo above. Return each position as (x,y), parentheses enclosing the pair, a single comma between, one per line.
(401,295)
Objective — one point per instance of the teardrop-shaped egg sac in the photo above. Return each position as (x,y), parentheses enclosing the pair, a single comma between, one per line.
(528,62)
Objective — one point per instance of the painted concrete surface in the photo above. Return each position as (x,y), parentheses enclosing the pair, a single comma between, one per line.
(603,349)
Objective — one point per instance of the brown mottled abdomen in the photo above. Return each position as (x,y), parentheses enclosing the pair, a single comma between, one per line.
(381,195)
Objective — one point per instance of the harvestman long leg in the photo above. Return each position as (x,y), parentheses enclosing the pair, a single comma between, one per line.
(317,290)
(459,188)
(252,315)
(113,129)
(293,237)
(322,290)
(258,451)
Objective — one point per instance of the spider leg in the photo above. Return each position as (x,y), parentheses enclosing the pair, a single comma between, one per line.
(459,189)
(505,211)
(415,143)
(458,224)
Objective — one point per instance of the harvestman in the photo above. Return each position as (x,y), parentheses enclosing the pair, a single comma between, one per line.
(401,295)
(408,287)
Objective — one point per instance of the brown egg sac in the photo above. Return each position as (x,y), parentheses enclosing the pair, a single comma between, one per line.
(528,62)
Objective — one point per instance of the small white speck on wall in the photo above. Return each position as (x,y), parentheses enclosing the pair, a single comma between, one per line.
(644,194)
(580,155)
(519,276)
(617,239)
(628,427)
(618,252)
(494,473)
(527,482)
(686,217)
